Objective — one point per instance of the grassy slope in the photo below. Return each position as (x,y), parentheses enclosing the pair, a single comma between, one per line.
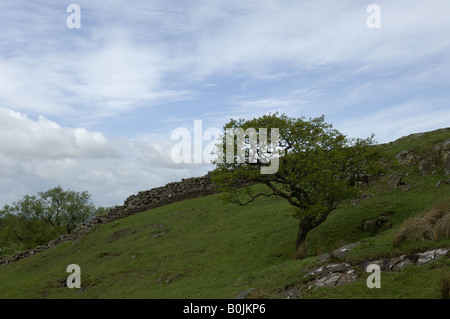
(215,250)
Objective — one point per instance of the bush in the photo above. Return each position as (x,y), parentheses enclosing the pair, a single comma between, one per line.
(432,224)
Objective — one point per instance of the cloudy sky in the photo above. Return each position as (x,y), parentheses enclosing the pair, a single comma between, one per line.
(93,108)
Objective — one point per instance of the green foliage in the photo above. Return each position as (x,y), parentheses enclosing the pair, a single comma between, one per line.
(35,220)
(318,167)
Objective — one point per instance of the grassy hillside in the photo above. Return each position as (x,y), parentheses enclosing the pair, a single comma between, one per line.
(203,248)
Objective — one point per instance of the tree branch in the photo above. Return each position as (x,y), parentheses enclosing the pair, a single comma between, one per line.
(253,197)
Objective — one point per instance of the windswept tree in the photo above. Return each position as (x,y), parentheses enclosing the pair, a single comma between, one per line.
(317,167)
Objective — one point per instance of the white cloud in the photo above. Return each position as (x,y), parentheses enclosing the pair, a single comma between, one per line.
(24,137)
(39,154)
(398,120)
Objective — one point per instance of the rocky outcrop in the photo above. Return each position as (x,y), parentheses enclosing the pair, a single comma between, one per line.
(396,182)
(435,159)
(337,274)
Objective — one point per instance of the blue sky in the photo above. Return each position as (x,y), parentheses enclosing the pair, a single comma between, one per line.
(93,108)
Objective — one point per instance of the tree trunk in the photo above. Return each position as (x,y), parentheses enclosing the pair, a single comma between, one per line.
(300,244)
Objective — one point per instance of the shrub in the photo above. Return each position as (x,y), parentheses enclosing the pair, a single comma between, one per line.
(432,224)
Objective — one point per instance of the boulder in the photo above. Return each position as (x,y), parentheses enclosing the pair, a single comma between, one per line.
(398,263)
(373,225)
(344,250)
(394,181)
(431,255)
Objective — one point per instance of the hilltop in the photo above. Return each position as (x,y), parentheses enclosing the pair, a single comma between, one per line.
(204,248)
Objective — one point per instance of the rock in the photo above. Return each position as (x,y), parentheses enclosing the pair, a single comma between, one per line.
(439,253)
(424,166)
(337,278)
(292,293)
(315,272)
(402,154)
(446,159)
(446,145)
(431,255)
(407,158)
(440,183)
(323,258)
(243,294)
(342,267)
(329,280)
(172,278)
(425,257)
(344,250)
(331,268)
(357,201)
(348,277)
(437,148)
(398,263)
(372,225)
(395,181)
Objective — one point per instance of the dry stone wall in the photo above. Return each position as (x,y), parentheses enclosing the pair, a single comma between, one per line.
(172,192)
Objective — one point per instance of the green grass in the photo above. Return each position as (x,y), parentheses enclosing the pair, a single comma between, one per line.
(203,248)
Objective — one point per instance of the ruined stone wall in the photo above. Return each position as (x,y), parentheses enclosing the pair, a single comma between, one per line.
(170,193)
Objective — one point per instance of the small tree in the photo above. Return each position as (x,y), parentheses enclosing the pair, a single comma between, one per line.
(318,169)
(34,220)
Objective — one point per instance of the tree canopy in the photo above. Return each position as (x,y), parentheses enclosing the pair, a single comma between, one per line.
(318,167)
(35,220)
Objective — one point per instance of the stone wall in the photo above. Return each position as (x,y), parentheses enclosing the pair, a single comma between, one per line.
(140,202)
(159,196)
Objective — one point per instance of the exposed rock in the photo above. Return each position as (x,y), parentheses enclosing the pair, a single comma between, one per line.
(446,159)
(171,278)
(160,234)
(333,275)
(395,181)
(407,158)
(425,258)
(292,293)
(331,268)
(441,252)
(440,183)
(432,255)
(323,258)
(373,225)
(357,201)
(398,263)
(425,166)
(243,294)
(342,273)
(446,145)
(328,280)
(344,250)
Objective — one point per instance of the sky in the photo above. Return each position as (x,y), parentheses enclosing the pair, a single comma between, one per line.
(93,108)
